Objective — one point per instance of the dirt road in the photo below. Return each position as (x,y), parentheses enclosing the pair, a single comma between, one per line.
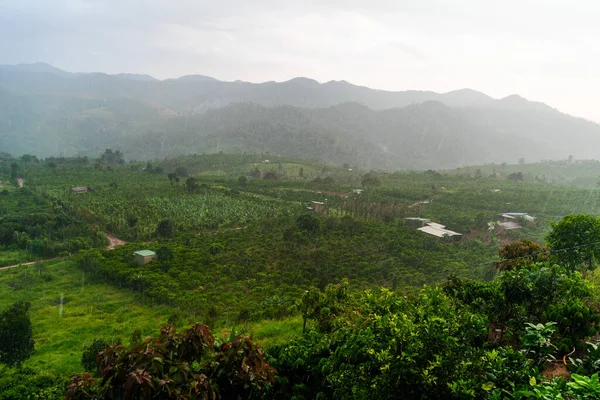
(114,242)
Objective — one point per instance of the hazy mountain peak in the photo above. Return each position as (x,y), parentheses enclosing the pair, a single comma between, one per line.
(37,67)
(136,77)
(194,78)
(303,81)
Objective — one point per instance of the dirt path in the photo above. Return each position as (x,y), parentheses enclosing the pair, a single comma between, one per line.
(114,242)
(32,262)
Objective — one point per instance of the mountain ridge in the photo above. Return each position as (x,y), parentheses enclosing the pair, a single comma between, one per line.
(45,113)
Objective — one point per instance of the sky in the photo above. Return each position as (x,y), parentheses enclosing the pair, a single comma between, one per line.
(544,50)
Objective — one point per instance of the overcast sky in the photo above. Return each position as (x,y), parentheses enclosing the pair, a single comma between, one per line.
(544,50)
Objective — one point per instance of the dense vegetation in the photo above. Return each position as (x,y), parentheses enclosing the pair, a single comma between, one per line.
(347,299)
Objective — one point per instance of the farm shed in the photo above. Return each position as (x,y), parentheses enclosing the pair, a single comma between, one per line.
(144,256)
(512,216)
(439,230)
(432,228)
(320,207)
(416,222)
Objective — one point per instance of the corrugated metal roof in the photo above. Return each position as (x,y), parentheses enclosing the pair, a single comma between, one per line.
(145,253)
(438,232)
(509,226)
(436,225)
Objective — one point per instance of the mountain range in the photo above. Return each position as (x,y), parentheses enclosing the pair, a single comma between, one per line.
(47,111)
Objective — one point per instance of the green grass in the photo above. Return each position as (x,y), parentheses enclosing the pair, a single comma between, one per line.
(272,332)
(96,310)
(89,311)
(12,257)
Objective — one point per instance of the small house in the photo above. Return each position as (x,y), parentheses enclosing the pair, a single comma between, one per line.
(80,189)
(320,207)
(517,216)
(357,191)
(439,230)
(432,228)
(415,222)
(508,225)
(144,256)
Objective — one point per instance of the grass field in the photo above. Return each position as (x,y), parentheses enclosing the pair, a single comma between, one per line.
(12,257)
(92,310)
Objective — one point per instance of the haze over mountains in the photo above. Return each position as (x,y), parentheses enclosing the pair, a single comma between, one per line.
(47,111)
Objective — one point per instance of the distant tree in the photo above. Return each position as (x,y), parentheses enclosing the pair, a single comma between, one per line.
(516,177)
(28,158)
(575,241)
(14,170)
(514,256)
(255,173)
(242,180)
(521,160)
(165,228)
(191,185)
(370,179)
(301,172)
(272,176)
(165,254)
(112,157)
(16,337)
(307,222)
(478,173)
(171,177)
(570,159)
(132,220)
(181,172)
(480,223)
(503,165)
(346,166)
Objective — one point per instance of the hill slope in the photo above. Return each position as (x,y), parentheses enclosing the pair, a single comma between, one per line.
(47,111)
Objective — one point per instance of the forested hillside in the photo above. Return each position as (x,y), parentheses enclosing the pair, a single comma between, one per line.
(47,111)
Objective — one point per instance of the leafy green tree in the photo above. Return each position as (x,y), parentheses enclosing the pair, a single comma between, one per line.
(181,172)
(185,365)
(191,185)
(16,337)
(518,254)
(575,241)
(370,179)
(165,228)
(14,170)
(112,157)
(90,353)
(242,180)
(308,222)
(516,177)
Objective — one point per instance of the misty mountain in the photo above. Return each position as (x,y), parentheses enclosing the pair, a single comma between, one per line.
(47,111)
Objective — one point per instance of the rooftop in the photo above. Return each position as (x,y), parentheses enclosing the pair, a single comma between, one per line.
(144,253)
(509,226)
(438,230)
